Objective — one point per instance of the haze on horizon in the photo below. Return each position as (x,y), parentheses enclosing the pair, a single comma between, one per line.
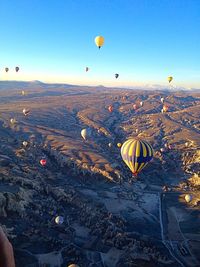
(145,41)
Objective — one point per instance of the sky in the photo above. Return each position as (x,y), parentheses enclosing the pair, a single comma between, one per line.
(145,41)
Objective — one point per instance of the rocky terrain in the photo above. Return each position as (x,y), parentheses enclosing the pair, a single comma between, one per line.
(110,218)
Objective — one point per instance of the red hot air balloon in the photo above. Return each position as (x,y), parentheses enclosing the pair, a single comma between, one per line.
(110,108)
(43,162)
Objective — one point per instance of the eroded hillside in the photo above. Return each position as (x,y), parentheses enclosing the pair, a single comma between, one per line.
(110,219)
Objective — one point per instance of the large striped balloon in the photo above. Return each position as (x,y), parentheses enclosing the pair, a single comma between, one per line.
(136,154)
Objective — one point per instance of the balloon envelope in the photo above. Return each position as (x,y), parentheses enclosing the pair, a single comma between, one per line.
(73,265)
(16,69)
(99,41)
(136,154)
(188,198)
(119,144)
(43,162)
(13,121)
(86,69)
(170,78)
(110,108)
(116,75)
(26,111)
(85,133)
(59,220)
(6,69)
(25,143)
(134,106)
(165,108)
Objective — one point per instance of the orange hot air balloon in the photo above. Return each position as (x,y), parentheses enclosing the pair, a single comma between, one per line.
(43,162)
(165,108)
(110,108)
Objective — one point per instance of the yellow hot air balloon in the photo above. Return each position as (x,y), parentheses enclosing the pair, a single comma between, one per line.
(188,198)
(119,144)
(170,78)
(136,154)
(99,41)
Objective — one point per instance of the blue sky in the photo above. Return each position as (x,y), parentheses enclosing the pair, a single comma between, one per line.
(145,41)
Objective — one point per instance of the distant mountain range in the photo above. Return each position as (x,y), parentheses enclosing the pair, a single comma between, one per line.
(32,84)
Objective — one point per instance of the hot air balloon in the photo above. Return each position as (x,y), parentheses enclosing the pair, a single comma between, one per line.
(13,121)
(134,106)
(99,41)
(162,99)
(6,69)
(16,69)
(187,144)
(165,108)
(23,92)
(26,111)
(119,145)
(188,198)
(162,150)
(43,162)
(85,133)
(136,130)
(110,108)
(116,75)
(73,265)
(110,144)
(170,146)
(59,220)
(86,69)
(166,145)
(25,144)
(141,103)
(170,78)
(136,154)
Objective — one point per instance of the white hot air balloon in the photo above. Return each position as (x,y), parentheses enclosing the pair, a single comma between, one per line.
(13,121)
(188,198)
(25,144)
(59,220)
(85,133)
(26,111)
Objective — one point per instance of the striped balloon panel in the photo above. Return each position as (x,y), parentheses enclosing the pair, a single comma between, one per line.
(136,154)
